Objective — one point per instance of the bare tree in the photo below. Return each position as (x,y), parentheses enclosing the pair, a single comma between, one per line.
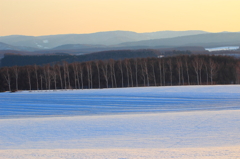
(81,74)
(121,69)
(213,69)
(195,64)
(7,78)
(145,62)
(75,74)
(58,68)
(153,69)
(54,73)
(66,75)
(16,73)
(126,65)
(112,72)
(143,72)
(105,72)
(89,72)
(130,72)
(48,76)
(164,72)
(179,66)
(98,71)
(186,65)
(41,79)
(29,77)
(45,74)
(160,72)
(136,71)
(238,73)
(200,69)
(36,75)
(182,75)
(169,62)
(205,64)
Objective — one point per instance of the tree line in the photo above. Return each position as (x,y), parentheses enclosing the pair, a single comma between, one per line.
(23,60)
(134,72)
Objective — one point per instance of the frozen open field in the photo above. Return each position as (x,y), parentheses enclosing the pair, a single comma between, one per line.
(153,122)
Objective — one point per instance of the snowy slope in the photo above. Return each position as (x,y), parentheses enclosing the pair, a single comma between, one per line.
(121,100)
(107,123)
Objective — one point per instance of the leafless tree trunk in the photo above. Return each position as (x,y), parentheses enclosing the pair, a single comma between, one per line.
(238,73)
(49,77)
(105,71)
(195,64)
(126,65)
(200,70)
(76,76)
(146,70)
(8,78)
(89,71)
(186,65)
(154,76)
(179,65)
(169,62)
(97,65)
(54,76)
(130,72)
(206,69)
(36,75)
(66,75)
(29,78)
(81,73)
(143,72)
(213,69)
(182,75)
(16,72)
(111,65)
(41,78)
(160,72)
(164,73)
(114,74)
(121,70)
(45,76)
(136,70)
(58,69)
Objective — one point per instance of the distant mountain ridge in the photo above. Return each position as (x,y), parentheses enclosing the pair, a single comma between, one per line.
(197,41)
(99,38)
(4,46)
(204,40)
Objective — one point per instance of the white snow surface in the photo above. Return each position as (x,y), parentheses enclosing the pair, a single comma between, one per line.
(118,101)
(222,48)
(143,120)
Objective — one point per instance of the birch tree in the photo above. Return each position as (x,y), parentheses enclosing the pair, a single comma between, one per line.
(36,75)
(7,78)
(16,74)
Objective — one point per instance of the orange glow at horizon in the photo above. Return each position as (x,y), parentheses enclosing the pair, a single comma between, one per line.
(48,17)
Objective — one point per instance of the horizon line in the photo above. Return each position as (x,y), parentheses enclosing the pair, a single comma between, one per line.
(116,31)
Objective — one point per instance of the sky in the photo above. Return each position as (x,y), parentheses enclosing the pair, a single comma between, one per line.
(48,17)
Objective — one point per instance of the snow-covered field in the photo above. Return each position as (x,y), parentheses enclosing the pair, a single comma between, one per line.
(222,48)
(150,122)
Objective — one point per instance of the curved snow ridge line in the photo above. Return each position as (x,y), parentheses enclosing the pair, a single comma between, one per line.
(121,100)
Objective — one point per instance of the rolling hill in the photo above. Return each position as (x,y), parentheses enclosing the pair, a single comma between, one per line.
(99,38)
(204,40)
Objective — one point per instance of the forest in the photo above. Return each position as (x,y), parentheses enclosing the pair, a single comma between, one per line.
(22,60)
(132,72)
